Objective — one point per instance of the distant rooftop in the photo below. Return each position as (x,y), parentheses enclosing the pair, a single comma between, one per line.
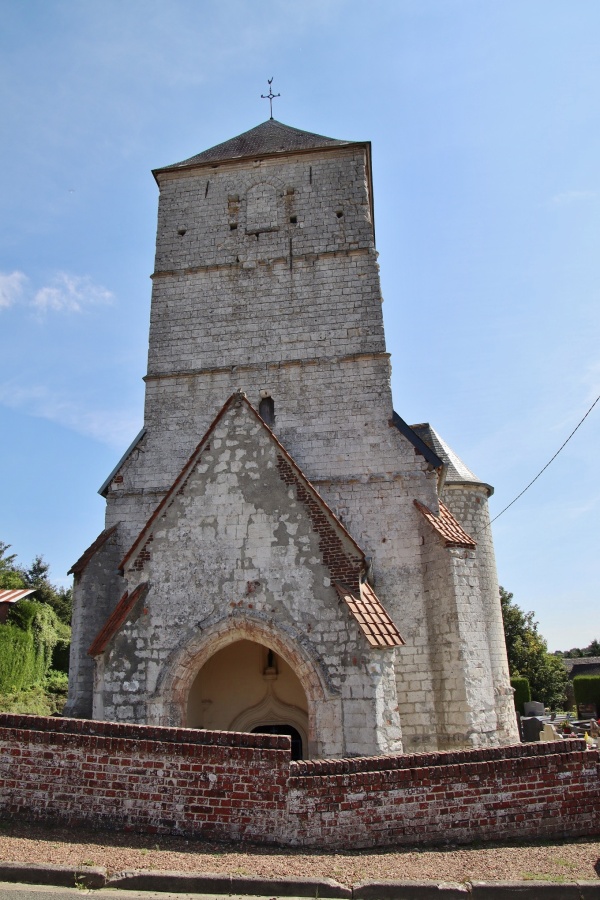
(269,138)
(582,665)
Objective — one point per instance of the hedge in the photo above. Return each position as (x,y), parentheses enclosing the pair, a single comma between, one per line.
(27,643)
(587,689)
(522,693)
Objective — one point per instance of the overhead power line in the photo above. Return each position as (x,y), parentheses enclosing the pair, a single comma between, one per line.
(549,461)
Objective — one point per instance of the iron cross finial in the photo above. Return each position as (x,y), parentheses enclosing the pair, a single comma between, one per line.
(270,96)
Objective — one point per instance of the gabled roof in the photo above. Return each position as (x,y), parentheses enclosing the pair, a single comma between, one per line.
(103,489)
(178,484)
(447,527)
(78,567)
(346,567)
(581,665)
(371,616)
(270,137)
(456,471)
(14,594)
(416,440)
(116,619)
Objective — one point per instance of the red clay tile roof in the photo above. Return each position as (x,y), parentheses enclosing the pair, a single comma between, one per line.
(371,616)
(116,619)
(447,527)
(14,594)
(78,567)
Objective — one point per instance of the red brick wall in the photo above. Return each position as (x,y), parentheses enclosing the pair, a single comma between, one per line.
(216,784)
(244,787)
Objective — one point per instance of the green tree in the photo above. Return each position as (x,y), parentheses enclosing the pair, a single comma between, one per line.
(13,576)
(60,599)
(528,655)
(10,578)
(593,649)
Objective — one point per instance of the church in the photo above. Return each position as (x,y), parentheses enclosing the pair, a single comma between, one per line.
(282,552)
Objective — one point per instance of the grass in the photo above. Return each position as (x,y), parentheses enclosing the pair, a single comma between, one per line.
(534,876)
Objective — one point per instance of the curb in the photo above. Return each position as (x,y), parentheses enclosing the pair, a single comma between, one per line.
(407,890)
(248,885)
(95,877)
(91,877)
(531,890)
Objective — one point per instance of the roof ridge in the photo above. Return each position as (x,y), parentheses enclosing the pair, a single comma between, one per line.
(78,567)
(189,465)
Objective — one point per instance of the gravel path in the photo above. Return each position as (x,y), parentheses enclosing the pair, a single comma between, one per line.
(556,861)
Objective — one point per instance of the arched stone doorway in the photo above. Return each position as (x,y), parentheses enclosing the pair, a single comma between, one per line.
(246,686)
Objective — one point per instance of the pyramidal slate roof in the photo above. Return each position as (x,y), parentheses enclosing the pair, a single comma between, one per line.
(269,138)
(456,472)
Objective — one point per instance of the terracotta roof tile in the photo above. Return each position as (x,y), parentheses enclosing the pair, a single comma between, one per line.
(446,526)
(12,595)
(371,616)
(116,619)
(78,567)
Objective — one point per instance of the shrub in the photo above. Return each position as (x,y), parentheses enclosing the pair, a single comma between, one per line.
(587,690)
(522,692)
(57,682)
(34,702)
(27,643)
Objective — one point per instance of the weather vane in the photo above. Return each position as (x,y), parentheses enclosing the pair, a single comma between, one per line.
(270,96)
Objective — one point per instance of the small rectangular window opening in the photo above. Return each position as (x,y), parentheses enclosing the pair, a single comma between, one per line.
(232,226)
(294,220)
(266,410)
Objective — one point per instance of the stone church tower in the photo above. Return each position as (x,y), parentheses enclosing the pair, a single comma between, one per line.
(282,551)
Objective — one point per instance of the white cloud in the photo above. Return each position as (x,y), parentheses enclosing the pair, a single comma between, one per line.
(11,288)
(65,293)
(568,197)
(70,293)
(116,428)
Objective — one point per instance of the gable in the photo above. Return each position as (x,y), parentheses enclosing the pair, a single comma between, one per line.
(79,567)
(242,517)
(238,450)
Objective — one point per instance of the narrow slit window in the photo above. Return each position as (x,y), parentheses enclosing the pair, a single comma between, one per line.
(266,410)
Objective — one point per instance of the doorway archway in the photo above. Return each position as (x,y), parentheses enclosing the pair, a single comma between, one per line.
(246,686)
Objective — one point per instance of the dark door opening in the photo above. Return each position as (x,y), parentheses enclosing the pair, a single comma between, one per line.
(288,730)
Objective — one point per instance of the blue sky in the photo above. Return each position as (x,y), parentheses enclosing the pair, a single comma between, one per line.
(484,120)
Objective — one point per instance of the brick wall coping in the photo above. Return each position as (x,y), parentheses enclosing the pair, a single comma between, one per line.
(324,767)
(310,768)
(125,731)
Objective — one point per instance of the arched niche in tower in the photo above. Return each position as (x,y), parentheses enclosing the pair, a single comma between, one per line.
(261,208)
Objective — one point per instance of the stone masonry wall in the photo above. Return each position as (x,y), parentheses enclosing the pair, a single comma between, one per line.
(96,591)
(244,536)
(244,787)
(469,503)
